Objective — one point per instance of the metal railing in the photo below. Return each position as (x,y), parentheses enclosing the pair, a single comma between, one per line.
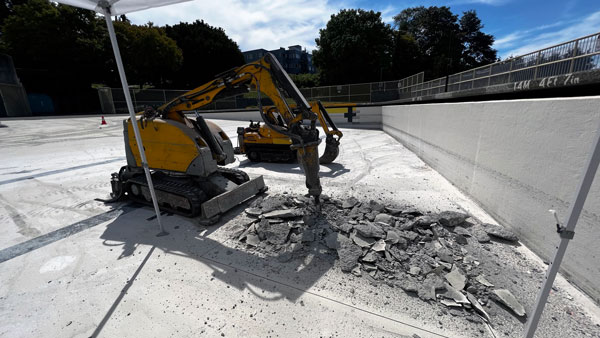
(544,65)
(570,57)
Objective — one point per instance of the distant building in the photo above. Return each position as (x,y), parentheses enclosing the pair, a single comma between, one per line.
(294,60)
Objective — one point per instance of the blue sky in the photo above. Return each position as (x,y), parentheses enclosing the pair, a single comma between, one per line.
(519,26)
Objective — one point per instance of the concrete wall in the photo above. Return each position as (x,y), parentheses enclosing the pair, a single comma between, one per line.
(366,117)
(517,159)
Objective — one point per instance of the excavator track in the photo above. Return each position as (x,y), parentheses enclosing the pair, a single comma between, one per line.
(180,198)
(235,175)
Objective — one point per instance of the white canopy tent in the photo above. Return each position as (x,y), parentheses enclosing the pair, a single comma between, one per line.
(118,7)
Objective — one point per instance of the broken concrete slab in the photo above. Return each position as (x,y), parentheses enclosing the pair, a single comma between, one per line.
(456,279)
(500,232)
(332,240)
(349,203)
(379,245)
(452,218)
(462,231)
(363,242)
(348,253)
(254,212)
(369,230)
(252,240)
(478,308)
(286,213)
(507,298)
(480,235)
(481,279)
(454,294)
(273,233)
(392,237)
(384,218)
(370,257)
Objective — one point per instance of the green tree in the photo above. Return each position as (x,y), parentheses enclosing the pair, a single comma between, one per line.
(406,58)
(355,46)
(55,47)
(207,51)
(446,44)
(477,46)
(306,80)
(149,55)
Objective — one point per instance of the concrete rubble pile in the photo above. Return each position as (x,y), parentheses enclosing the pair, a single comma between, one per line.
(425,255)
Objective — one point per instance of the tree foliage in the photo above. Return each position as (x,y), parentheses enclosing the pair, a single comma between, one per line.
(355,46)
(207,51)
(54,46)
(446,44)
(306,80)
(150,56)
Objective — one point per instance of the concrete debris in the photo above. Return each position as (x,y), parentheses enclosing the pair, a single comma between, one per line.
(450,303)
(456,279)
(392,237)
(363,242)
(480,235)
(348,253)
(350,203)
(462,231)
(500,232)
(414,270)
(460,239)
(370,257)
(385,218)
(252,240)
(332,240)
(255,212)
(379,246)
(506,297)
(290,213)
(478,307)
(370,230)
(452,218)
(481,279)
(455,295)
(422,253)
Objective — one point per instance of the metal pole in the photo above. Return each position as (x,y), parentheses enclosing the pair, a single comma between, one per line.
(566,235)
(136,130)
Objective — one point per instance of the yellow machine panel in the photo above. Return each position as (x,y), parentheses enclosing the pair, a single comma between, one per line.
(172,148)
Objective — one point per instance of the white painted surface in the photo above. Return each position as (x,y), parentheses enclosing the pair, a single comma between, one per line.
(126,282)
(517,159)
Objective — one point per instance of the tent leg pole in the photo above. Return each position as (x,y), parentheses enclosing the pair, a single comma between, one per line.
(566,235)
(136,130)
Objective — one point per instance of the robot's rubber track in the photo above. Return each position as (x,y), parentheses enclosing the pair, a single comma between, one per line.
(237,176)
(162,185)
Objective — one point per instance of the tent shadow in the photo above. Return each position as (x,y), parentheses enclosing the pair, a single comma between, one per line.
(231,263)
(238,267)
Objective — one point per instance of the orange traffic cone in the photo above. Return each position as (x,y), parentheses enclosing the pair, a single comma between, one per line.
(103,123)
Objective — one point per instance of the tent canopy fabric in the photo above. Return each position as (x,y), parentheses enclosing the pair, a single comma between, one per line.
(118,7)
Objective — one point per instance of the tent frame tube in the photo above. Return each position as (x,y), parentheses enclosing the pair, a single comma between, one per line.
(566,234)
(136,130)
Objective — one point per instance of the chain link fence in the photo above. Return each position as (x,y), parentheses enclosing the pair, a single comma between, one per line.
(545,65)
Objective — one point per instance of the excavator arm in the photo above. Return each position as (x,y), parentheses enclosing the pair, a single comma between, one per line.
(296,120)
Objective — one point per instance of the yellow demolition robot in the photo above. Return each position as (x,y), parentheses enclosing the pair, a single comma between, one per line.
(186,155)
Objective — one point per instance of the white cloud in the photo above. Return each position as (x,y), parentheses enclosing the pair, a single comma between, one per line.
(252,24)
(525,41)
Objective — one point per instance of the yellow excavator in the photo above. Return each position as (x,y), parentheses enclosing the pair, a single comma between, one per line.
(186,155)
(262,143)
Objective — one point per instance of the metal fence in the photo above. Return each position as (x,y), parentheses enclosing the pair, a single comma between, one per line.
(570,57)
(544,65)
